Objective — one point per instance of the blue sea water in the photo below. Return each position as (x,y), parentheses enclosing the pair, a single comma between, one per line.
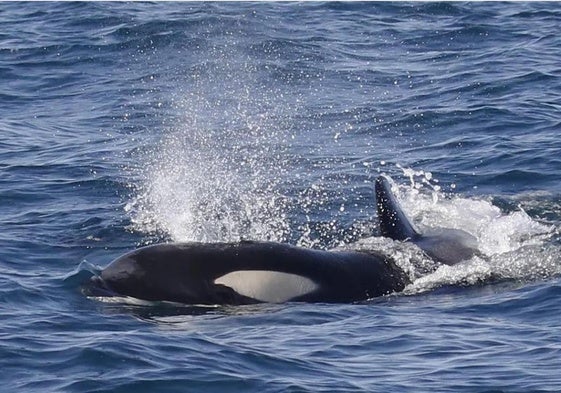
(125,124)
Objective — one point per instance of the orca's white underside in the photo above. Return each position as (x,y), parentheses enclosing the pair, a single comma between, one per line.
(267,285)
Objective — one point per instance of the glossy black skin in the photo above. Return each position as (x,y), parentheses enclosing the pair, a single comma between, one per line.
(448,246)
(185,272)
(391,218)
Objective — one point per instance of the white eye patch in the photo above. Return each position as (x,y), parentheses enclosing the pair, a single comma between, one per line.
(267,285)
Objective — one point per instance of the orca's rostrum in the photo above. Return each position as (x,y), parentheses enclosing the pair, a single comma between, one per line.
(251,272)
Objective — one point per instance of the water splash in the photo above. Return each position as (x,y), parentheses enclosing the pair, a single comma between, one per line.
(215,173)
(514,246)
(203,194)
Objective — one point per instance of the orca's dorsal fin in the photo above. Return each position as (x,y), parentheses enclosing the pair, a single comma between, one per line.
(392,220)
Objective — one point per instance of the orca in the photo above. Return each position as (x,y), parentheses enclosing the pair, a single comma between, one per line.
(248,272)
(444,245)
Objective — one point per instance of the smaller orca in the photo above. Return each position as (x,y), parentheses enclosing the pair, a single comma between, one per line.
(444,245)
(249,272)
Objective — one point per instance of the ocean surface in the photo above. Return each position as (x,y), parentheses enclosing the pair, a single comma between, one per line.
(127,124)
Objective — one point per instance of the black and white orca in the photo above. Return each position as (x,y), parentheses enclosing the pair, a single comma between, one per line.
(249,272)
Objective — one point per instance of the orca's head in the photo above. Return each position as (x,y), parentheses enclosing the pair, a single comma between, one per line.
(118,278)
(142,274)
